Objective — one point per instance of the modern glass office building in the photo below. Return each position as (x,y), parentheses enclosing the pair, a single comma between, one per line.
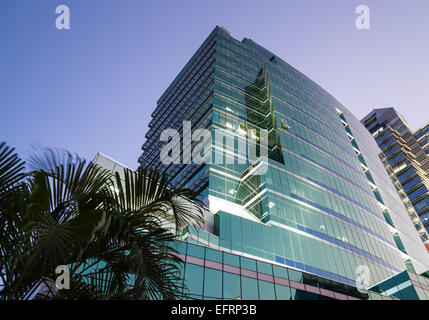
(405,286)
(212,273)
(313,217)
(405,156)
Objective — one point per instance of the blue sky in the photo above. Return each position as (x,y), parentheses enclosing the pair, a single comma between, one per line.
(93,88)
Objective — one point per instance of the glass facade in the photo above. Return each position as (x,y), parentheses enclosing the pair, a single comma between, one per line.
(213,275)
(406,160)
(405,286)
(324,207)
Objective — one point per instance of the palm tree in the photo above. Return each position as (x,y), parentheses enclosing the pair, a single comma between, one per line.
(111,233)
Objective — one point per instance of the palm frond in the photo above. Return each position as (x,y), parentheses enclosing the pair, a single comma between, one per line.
(11,167)
(150,192)
(114,233)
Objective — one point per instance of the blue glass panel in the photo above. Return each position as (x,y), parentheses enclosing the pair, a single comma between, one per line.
(419,206)
(196,251)
(417,193)
(214,255)
(266,290)
(411,183)
(406,174)
(231,286)
(194,279)
(265,268)
(213,283)
(283,293)
(249,288)
(248,264)
(231,259)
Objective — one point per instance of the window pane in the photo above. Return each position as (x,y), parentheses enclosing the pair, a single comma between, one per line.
(421,204)
(280,272)
(231,259)
(417,193)
(231,286)
(213,283)
(304,295)
(248,264)
(194,279)
(249,288)
(213,255)
(295,275)
(283,293)
(196,251)
(266,290)
(265,268)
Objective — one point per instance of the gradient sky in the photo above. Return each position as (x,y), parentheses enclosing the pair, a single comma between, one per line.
(92,88)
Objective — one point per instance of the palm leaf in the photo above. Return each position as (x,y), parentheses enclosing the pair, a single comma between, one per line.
(114,233)
(11,168)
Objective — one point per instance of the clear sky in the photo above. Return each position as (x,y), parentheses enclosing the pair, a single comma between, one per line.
(92,88)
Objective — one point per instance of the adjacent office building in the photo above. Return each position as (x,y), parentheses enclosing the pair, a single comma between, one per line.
(405,156)
(312,215)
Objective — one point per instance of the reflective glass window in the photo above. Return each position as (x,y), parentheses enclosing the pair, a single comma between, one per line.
(231,286)
(213,283)
(249,288)
(248,264)
(266,290)
(196,251)
(194,279)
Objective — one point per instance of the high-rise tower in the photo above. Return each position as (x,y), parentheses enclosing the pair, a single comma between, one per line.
(305,219)
(406,160)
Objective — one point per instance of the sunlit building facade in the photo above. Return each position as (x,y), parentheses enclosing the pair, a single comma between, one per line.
(405,157)
(315,218)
